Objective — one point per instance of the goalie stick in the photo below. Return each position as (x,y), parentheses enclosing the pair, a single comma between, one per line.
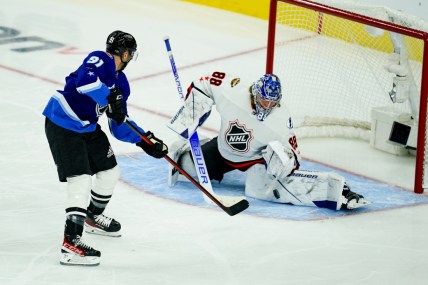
(230,210)
(195,145)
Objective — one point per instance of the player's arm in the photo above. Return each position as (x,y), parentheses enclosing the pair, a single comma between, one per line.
(157,148)
(116,109)
(88,78)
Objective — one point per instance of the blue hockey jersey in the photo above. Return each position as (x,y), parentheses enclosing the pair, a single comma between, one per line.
(84,98)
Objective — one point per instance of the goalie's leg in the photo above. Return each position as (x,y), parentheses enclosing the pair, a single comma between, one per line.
(215,163)
(305,188)
(176,150)
(180,153)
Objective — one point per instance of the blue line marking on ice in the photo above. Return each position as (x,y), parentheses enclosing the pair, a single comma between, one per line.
(150,175)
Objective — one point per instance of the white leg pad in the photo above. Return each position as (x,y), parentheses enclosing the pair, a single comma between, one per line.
(187,164)
(175,152)
(302,188)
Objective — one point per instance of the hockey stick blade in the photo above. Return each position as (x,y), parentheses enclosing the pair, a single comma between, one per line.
(237,208)
(230,210)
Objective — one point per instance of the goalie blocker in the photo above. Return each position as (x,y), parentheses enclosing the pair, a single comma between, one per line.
(185,122)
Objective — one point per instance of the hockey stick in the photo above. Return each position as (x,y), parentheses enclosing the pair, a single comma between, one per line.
(194,142)
(230,210)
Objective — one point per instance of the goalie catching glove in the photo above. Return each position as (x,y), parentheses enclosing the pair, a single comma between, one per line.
(281,161)
(156,149)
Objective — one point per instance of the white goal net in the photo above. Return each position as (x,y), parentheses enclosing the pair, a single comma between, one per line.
(346,67)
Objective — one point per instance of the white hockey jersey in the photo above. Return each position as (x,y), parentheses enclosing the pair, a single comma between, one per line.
(242,136)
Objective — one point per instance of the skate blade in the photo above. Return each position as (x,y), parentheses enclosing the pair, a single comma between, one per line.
(77,260)
(96,231)
(353,204)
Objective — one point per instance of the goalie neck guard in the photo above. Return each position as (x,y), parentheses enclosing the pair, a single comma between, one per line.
(266,94)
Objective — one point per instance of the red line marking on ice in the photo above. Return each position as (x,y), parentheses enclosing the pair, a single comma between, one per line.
(72,50)
(159,114)
(30,74)
(359,175)
(202,63)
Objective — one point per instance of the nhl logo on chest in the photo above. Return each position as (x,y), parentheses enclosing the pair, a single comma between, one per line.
(238,137)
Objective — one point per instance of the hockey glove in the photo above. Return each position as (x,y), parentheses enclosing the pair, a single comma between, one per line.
(281,161)
(116,107)
(157,149)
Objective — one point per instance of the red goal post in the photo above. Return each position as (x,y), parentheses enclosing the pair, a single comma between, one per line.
(321,24)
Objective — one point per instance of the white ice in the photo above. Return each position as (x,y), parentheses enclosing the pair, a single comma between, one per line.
(165,242)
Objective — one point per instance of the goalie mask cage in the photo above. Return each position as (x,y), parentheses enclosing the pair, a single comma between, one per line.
(332,59)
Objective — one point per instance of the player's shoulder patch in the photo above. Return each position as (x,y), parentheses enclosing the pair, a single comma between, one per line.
(234,82)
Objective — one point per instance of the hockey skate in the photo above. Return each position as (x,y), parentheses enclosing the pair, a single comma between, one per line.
(352,200)
(102,225)
(76,252)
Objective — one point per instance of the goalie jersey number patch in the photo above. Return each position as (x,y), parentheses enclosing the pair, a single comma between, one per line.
(238,137)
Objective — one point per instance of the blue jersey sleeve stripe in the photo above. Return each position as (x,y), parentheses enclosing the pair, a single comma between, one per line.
(58,111)
(90,86)
(67,109)
(96,90)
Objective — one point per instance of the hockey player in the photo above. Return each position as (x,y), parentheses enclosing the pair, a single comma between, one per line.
(81,149)
(256,136)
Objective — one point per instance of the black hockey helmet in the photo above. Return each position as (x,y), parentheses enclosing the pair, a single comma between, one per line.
(118,42)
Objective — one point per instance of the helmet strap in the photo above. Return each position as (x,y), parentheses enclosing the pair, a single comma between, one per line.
(124,63)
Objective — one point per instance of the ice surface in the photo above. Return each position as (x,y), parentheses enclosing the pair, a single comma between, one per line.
(165,241)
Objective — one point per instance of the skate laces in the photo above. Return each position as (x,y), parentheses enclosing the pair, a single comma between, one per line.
(79,243)
(349,195)
(353,196)
(103,220)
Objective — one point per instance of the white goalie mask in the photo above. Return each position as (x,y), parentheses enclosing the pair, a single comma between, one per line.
(267,94)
